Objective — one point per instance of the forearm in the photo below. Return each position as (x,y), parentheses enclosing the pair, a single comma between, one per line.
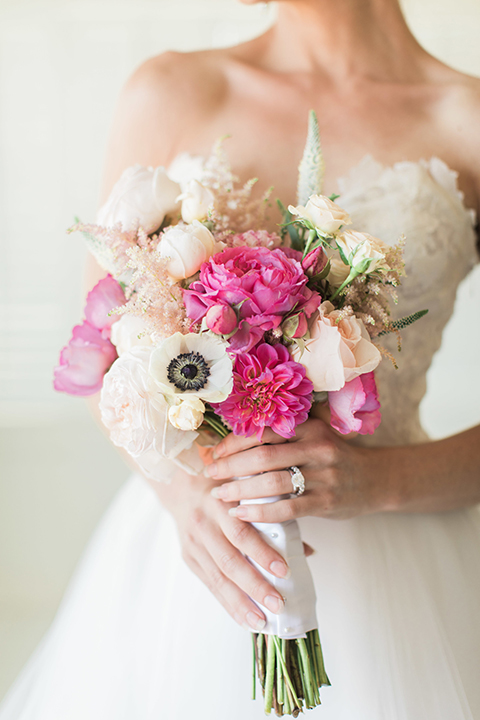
(430,477)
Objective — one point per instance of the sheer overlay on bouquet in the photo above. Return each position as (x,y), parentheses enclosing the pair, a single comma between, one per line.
(139,636)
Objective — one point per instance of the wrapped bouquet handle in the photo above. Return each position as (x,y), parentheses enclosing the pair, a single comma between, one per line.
(288,658)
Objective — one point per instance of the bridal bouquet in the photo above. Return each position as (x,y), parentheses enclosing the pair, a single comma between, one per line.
(206,323)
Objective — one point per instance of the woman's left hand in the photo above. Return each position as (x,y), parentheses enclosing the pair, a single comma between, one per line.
(340,479)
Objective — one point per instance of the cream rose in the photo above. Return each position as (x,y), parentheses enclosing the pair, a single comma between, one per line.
(338,272)
(196,201)
(337,352)
(364,247)
(131,408)
(186,248)
(187,414)
(136,415)
(323,214)
(142,196)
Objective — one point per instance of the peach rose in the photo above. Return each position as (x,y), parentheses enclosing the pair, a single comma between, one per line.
(337,352)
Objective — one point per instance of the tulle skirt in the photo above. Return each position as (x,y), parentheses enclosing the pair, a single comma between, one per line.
(138,637)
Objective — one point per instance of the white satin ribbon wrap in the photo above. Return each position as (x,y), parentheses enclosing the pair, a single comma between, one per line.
(298,590)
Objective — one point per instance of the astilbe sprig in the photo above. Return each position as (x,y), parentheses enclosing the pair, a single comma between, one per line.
(235,210)
(155,297)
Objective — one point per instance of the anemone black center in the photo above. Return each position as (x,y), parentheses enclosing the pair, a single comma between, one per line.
(188,371)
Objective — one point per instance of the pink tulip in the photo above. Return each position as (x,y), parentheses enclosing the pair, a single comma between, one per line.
(84,361)
(356,408)
(221,319)
(106,295)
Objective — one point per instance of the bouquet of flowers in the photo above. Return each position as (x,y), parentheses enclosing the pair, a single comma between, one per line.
(206,324)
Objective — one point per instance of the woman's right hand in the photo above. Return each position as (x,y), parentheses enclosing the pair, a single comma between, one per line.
(214,544)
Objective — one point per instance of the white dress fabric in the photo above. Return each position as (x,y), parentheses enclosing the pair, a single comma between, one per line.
(138,637)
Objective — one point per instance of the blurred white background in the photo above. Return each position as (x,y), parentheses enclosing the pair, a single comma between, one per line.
(62,64)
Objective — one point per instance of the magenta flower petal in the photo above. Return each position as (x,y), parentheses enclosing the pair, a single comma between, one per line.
(84,362)
(106,295)
(269,390)
(262,285)
(355,407)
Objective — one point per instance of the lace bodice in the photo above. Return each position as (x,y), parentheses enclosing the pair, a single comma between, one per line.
(420,200)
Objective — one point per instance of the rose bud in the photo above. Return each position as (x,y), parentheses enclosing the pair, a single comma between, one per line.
(221,319)
(295,326)
(315,262)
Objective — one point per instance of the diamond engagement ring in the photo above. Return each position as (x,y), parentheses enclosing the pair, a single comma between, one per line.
(298,481)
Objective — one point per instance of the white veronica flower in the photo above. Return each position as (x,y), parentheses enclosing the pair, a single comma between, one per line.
(192,365)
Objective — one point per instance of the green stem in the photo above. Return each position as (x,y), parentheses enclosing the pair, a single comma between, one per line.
(351,276)
(270,674)
(311,237)
(280,681)
(216,425)
(254,674)
(284,668)
(260,660)
(319,655)
(307,673)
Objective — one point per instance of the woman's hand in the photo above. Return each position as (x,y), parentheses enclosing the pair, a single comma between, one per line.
(339,478)
(212,545)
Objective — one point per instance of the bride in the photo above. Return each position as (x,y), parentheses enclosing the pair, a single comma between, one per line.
(392,519)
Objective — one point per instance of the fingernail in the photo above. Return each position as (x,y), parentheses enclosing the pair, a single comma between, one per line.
(255,621)
(274,603)
(210,470)
(280,569)
(215,455)
(239,512)
(217,492)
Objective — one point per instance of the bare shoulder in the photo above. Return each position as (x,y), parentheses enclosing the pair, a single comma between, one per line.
(161,109)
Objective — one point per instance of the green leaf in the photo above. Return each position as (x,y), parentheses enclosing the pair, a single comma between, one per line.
(363,266)
(342,255)
(311,170)
(404,322)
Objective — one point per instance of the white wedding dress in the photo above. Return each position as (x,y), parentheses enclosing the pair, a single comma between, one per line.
(138,636)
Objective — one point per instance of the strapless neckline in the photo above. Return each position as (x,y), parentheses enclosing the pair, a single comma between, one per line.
(369,170)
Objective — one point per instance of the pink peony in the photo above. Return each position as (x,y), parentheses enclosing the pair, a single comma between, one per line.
(356,408)
(269,390)
(106,295)
(84,361)
(263,285)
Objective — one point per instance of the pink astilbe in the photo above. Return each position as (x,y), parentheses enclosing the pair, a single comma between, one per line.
(235,211)
(355,407)
(369,296)
(269,390)
(254,238)
(157,299)
(108,245)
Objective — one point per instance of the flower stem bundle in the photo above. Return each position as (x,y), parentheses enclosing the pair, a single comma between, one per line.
(290,672)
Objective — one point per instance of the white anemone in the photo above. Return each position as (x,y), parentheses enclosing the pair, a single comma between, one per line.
(198,365)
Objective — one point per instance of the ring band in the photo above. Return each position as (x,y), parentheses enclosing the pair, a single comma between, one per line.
(298,480)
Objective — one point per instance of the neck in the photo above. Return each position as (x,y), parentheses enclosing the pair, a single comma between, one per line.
(346,39)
